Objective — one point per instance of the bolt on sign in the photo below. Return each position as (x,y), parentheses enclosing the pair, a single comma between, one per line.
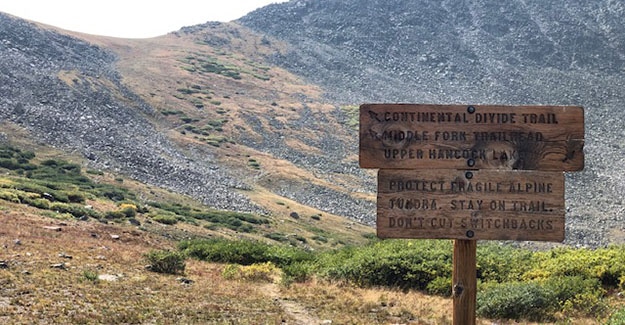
(411,136)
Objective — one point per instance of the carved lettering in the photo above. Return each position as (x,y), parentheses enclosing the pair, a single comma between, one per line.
(506,223)
(403,154)
(547,118)
(420,223)
(412,204)
(400,136)
(466,204)
(495,118)
(457,154)
(534,187)
(484,187)
(399,185)
(508,136)
(450,136)
(530,206)
(423,117)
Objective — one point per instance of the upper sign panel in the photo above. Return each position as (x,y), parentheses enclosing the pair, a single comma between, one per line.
(412,136)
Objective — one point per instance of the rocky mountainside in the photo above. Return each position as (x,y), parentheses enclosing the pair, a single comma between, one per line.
(249,114)
(69,94)
(195,111)
(477,52)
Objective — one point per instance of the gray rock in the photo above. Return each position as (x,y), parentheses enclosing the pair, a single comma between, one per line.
(60,266)
(108,277)
(63,255)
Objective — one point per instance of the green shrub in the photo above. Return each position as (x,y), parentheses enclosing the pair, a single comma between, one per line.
(76,211)
(502,263)
(165,261)
(76,197)
(320,239)
(287,255)
(575,295)
(223,251)
(9,196)
(254,164)
(242,252)
(40,203)
(569,289)
(391,263)
(165,219)
(297,272)
(59,207)
(617,318)
(15,159)
(244,228)
(11,164)
(129,212)
(516,300)
(540,300)
(228,219)
(113,193)
(439,286)
(114,215)
(587,263)
(299,238)
(90,275)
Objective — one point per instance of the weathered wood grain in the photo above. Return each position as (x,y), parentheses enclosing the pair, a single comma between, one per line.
(464,280)
(484,204)
(414,136)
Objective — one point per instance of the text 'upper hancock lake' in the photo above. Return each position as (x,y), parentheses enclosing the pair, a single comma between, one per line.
(478,137)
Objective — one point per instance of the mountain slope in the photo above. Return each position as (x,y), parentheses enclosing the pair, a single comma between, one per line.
(187,111)
(477,52)
(67,93)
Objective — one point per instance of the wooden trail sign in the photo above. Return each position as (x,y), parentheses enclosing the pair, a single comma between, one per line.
(416,136)
(468,172)
(484,204)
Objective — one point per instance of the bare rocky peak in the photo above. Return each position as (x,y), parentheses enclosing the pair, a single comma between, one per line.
(476,52)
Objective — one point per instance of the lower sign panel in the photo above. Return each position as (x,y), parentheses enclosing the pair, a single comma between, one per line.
(496,205)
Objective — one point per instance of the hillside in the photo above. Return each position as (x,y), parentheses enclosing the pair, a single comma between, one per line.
(478,52)
(246,114)
(187,116)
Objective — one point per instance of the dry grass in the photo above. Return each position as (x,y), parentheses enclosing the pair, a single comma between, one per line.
(344,304)
(32,291)
(348,305)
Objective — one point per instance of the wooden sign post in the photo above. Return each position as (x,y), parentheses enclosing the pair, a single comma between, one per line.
(470,173)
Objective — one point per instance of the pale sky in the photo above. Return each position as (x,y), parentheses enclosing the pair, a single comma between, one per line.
(129,18)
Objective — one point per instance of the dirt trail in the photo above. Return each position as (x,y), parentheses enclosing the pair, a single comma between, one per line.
(293,309)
